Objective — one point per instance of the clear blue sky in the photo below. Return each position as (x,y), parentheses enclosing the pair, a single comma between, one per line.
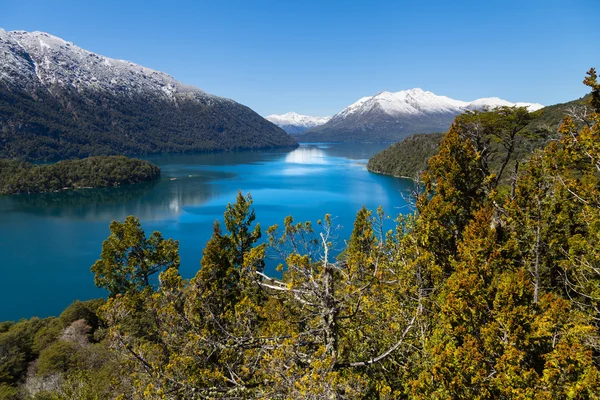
(316,57)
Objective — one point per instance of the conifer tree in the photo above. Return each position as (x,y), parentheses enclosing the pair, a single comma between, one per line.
(201,338)
(454,190)
(129,260)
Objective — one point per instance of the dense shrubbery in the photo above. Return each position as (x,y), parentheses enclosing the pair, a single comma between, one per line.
(481,293)
(44,358)
(92,172)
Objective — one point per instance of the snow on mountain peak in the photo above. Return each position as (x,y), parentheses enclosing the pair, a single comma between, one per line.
(61,64)
(295,123)
(530,106)
(417,101)
(493,102)
(292,118)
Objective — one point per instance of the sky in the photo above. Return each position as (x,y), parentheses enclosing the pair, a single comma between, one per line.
(317,57)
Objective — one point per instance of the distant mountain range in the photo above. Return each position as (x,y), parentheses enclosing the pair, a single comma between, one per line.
(390,117)
(58,100)
(294,123)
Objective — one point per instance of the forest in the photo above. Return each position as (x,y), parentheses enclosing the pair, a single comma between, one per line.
(408,158)
(72,124)
(490,289)
(92,172)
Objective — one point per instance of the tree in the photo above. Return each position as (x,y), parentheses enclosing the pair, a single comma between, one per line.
(223,273)
(330,345)
(591,80)
(496,134)
(530,212)
(574,164)
(493,339)
(129,259)
(454,190)
(201,338)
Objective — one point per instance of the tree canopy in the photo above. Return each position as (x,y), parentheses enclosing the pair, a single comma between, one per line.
(93,172)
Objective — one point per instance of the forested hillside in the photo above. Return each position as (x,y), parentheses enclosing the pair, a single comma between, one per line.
(409,157)
(59,101)
(93,172)
(480,293)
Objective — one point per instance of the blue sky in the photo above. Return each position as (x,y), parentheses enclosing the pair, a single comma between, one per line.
(317,57)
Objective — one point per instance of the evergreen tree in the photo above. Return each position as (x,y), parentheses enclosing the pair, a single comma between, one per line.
(129,259)
(454,190)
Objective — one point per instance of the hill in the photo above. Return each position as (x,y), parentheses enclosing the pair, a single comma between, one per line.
(408,157)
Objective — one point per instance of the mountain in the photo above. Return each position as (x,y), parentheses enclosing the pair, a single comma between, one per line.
(58,101)
(409,157)
(390,117)
(294,123)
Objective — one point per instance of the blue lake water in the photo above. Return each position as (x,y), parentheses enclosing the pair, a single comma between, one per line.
(49,241)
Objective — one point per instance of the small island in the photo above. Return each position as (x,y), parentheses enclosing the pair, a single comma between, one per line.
(93,172)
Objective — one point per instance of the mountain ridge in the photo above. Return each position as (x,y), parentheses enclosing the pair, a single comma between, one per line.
(392,116)
(58,100)
(408,157)
(294,123)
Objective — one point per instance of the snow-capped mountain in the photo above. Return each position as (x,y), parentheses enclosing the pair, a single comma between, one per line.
(57,64)
(389,116)
(493,102)
(70,102)
(294,123)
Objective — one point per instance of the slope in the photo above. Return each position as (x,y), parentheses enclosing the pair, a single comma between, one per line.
(60,101)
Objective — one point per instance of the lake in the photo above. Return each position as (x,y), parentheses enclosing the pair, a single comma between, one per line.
(49,241)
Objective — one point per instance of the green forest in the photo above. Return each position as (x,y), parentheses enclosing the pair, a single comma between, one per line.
(408,158)
(73,124)
(490,289)
(92,172)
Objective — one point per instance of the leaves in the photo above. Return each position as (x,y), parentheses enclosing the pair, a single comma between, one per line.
(129,259)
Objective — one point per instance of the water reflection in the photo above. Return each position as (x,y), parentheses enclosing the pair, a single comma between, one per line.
(149,201)
(352,151)
(307,155)
(44,202)
(216,159)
